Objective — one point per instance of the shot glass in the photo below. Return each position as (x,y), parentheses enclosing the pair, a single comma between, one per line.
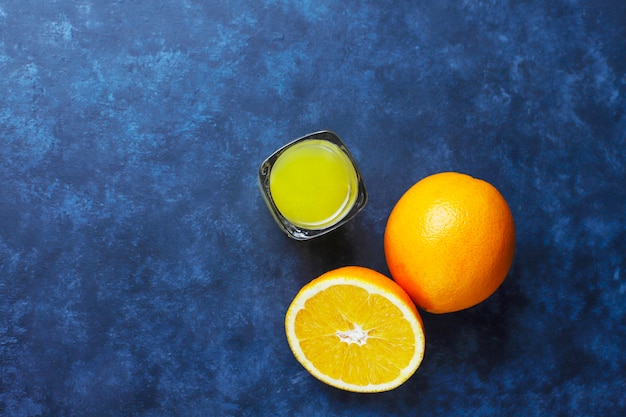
(312,185)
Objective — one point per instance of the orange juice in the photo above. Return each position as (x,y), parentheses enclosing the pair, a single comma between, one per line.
(313,184)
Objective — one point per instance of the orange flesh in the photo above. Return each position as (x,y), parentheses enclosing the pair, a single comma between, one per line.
(366,332)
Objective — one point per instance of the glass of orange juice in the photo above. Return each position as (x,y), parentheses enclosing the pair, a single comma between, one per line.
(312,185)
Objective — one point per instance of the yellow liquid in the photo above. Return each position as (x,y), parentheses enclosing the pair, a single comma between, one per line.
(313,184)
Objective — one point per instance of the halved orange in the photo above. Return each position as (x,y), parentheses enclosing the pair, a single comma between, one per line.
(355,329)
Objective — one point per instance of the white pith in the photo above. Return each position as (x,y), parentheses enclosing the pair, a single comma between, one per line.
(355,335)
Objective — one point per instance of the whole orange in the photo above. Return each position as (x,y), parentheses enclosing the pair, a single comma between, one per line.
(449,241)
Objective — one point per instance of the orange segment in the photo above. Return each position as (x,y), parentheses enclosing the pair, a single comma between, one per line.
(355,329)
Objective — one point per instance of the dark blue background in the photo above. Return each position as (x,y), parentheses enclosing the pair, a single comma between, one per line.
(142,275)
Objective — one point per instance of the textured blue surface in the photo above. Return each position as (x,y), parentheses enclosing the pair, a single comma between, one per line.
(141,274)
